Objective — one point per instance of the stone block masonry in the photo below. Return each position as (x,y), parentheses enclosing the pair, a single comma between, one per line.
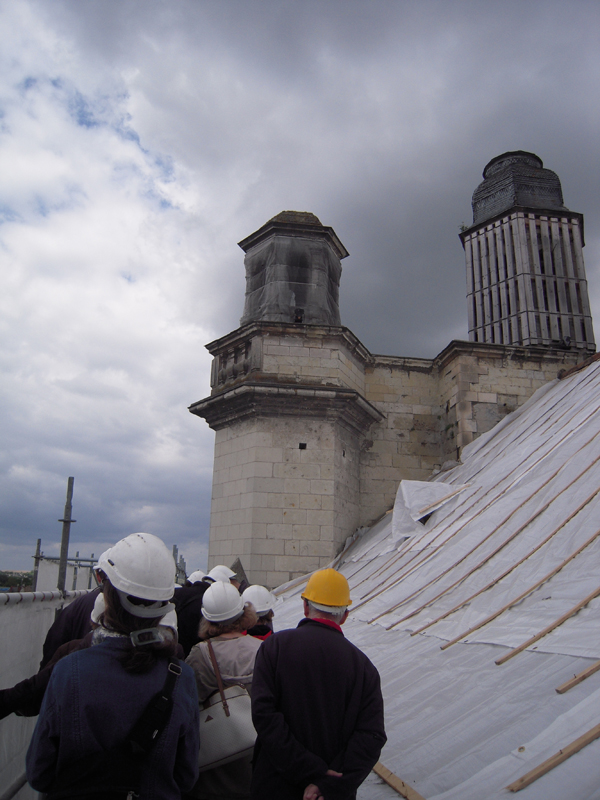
(314,433)
(285,493)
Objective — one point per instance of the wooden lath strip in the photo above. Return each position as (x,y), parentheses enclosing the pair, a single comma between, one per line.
(422,511)
(397,784)
(484,561)
(519,530)
(581,676)
(396,557)
(383,586)
(555,760)
(565,373)
(549,628)
(514,566)
(457,512)
(523,595)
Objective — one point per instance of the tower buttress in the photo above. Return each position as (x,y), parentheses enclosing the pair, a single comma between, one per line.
(288,409)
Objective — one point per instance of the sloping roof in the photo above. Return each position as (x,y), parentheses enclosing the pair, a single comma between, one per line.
(512,554)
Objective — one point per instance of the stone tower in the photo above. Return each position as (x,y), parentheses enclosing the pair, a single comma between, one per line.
(526,282)
(313,433)
(288,409)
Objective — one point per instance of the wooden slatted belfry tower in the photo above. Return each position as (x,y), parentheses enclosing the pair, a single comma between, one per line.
(526,282)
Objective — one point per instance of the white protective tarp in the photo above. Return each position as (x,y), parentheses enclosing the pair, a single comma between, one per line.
(415,500)
(509,556)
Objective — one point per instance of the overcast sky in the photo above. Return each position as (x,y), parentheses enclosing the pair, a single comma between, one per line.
(140,140)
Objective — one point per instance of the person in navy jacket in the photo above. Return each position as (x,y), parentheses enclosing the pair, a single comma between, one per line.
(316,704)
(95,696)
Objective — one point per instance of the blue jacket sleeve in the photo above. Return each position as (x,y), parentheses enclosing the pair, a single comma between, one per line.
(42,754)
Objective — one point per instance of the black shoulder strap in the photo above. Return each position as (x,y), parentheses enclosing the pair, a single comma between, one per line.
(156,714)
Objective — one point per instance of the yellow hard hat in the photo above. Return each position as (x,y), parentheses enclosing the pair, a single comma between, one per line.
(327,587)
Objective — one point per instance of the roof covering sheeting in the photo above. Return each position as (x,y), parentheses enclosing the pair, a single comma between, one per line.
(477,617)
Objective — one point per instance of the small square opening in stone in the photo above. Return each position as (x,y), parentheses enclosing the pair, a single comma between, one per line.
(302,446)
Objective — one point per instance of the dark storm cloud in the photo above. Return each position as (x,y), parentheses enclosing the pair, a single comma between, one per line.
(379,118)
(168,132)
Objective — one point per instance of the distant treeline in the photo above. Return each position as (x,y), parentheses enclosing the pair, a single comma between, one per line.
(16,581)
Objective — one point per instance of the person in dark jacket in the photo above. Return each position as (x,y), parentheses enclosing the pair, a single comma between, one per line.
(73,622)
(25,698)
(188,604)
(86,743)
(316,704)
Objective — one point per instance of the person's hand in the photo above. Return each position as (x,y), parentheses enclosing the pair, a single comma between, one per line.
(312,792)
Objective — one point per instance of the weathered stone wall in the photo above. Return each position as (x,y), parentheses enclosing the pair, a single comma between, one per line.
(285,494)
(314,433)
(480,384)
(433,408)
(406,443)
(317,355)
(288,406)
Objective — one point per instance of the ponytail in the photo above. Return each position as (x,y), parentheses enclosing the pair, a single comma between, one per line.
(140,658)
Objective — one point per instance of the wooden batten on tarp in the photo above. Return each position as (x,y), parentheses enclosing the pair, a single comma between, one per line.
(514,566)
(397,784)
(581,676)
(523,595)
(555,760)
(383,586)
(549,628)
(513,535)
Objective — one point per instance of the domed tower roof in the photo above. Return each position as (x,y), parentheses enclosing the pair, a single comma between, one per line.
(516,178)
(526,282)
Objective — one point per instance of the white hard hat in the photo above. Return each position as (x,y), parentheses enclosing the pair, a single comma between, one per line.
(98,609)
(196,576)
(170,621)
(141,566)
(260,597)
(221,573)
(222,603)
(103,556)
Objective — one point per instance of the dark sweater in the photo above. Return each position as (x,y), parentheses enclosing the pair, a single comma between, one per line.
(316,705)
(188,604)
(73,622)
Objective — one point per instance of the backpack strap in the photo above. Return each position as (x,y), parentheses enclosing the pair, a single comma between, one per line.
(156,714)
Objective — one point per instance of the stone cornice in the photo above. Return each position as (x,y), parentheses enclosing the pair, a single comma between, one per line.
(277,400)
(512,352)
(251,329)
(539,212)
(304,230)
(403,362)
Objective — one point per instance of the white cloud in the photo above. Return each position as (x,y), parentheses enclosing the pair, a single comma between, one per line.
(140,140)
